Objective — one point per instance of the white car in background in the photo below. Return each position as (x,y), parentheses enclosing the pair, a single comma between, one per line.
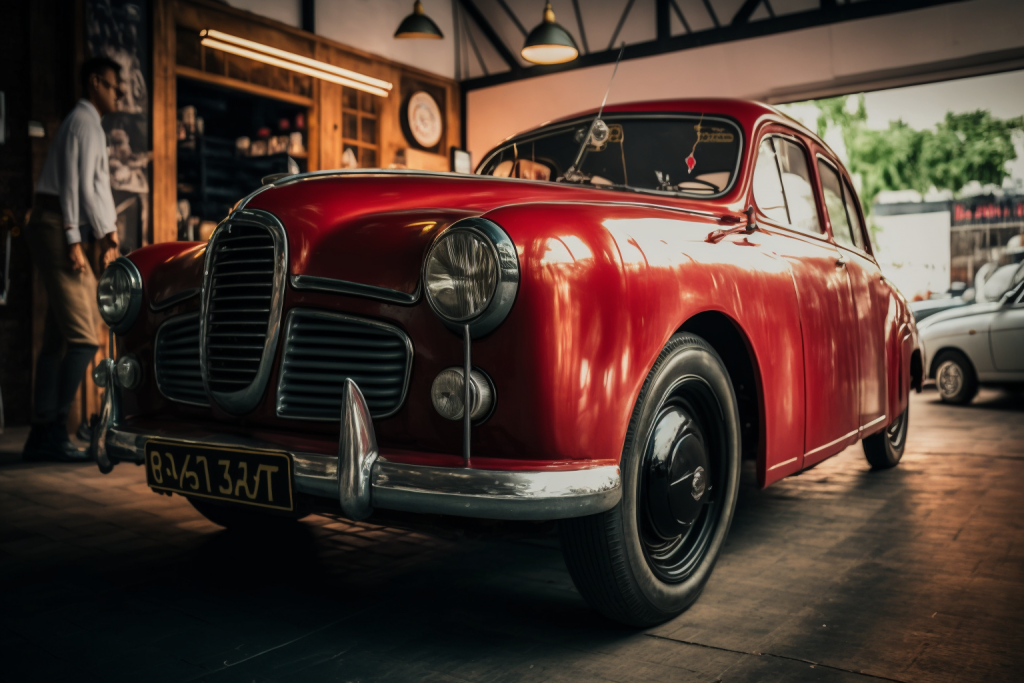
(978,345)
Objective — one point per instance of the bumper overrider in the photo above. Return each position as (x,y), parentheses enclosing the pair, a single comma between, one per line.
(361,480)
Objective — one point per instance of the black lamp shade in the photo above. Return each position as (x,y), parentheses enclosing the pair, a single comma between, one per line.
(418,25)
(549,43)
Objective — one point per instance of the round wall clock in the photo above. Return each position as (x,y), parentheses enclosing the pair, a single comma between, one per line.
(424,119)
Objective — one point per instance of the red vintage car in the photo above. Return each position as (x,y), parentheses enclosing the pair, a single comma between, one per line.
(640,299)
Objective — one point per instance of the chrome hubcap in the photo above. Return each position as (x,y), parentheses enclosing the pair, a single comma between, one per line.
(949,379)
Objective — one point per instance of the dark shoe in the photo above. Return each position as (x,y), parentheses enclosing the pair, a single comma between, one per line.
(38,445)
(66,451)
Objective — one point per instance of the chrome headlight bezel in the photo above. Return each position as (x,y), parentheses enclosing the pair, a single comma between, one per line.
(122,323)
(507,266)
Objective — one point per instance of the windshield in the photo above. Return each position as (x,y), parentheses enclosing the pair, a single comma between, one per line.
(684,154)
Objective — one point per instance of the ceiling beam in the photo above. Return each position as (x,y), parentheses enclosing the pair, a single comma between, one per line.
(744,12)
(679,13)
(579,22)
(622,20)
(661,20)
(513,17)
(492,36)
(780,24)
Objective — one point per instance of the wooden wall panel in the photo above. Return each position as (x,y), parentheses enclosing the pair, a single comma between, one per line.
(165,127)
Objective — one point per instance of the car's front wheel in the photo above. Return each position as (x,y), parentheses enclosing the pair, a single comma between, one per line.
(648,558)
(885,448)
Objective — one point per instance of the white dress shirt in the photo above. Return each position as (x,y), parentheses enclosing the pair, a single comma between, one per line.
(78,173)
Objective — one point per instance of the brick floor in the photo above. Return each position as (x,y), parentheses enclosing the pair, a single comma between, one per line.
(839,574)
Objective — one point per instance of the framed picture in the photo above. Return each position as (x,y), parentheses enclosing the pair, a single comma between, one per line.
(462,161)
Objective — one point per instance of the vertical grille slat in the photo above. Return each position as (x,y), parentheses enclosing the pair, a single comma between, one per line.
(322,350)
(178,374)
(239,307)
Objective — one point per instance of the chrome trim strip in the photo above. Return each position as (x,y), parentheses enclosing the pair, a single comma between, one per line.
(316,283)
(328,315)
(244,400)
(156,373)
(872,423)
(831,443)
(488,494)
(783,463)
(492,494)
(176,298)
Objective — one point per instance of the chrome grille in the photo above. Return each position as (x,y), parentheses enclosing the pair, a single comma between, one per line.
(176,360)
(243,291)
(323,349)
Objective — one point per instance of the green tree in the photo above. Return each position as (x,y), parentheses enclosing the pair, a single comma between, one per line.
(962,148)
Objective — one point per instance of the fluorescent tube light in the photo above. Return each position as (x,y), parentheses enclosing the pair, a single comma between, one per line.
(289,60)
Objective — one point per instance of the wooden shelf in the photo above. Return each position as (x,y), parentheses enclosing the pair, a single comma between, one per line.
(224,81)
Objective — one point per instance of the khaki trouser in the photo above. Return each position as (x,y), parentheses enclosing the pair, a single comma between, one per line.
(72,311)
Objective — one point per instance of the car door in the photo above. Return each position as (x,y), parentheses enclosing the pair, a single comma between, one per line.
(789,217)
(1006,333)
(863,277)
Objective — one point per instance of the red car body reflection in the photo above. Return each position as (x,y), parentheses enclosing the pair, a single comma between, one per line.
(820,345)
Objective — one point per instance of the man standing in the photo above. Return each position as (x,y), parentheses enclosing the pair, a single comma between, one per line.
(72,195)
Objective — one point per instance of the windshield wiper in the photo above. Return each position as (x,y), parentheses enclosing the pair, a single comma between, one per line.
(573,174)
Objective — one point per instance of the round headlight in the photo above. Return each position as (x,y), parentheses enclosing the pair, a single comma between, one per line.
(461,274)
(129,372)
(471,275)
(119,294)
(447,393)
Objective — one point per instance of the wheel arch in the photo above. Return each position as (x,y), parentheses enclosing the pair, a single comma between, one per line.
(934,365)
(731,343)
(916,371)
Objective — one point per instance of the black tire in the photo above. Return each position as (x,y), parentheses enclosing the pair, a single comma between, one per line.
(955,378)
(245,520)
(885,448)
(625,562)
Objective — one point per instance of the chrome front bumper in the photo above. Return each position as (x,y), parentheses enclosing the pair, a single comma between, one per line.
(362,480)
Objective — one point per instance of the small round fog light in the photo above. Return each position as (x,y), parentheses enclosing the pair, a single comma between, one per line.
(448,391)
(128,372)
(102,372)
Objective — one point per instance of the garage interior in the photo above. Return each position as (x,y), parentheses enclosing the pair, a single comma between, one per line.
(840,573)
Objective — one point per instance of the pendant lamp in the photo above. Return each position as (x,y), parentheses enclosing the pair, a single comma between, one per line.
(418,25)
(549,43)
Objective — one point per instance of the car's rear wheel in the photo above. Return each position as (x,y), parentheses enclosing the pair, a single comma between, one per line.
(885,448)
(955,378)
(648,559)
(244,519)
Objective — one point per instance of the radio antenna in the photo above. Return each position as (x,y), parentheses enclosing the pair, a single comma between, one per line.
(572,174)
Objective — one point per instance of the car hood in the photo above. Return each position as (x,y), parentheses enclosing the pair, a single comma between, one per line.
(930,325)
(374,228)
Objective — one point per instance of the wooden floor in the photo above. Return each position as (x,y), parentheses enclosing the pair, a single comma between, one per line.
(839,574)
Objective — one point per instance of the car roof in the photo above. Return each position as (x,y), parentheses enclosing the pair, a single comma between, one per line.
(745,112)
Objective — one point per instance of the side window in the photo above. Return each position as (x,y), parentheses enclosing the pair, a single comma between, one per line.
(768,184)
(859,235)
(832,190)
(796,181)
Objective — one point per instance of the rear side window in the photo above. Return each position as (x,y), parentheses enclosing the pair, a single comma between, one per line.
(796,181)
(859,236)
(768,184)
(832,190)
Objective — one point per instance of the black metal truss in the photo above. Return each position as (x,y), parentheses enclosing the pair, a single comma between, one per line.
(739,28)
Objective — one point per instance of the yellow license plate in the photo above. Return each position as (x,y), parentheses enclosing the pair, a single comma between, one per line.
(259,478)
